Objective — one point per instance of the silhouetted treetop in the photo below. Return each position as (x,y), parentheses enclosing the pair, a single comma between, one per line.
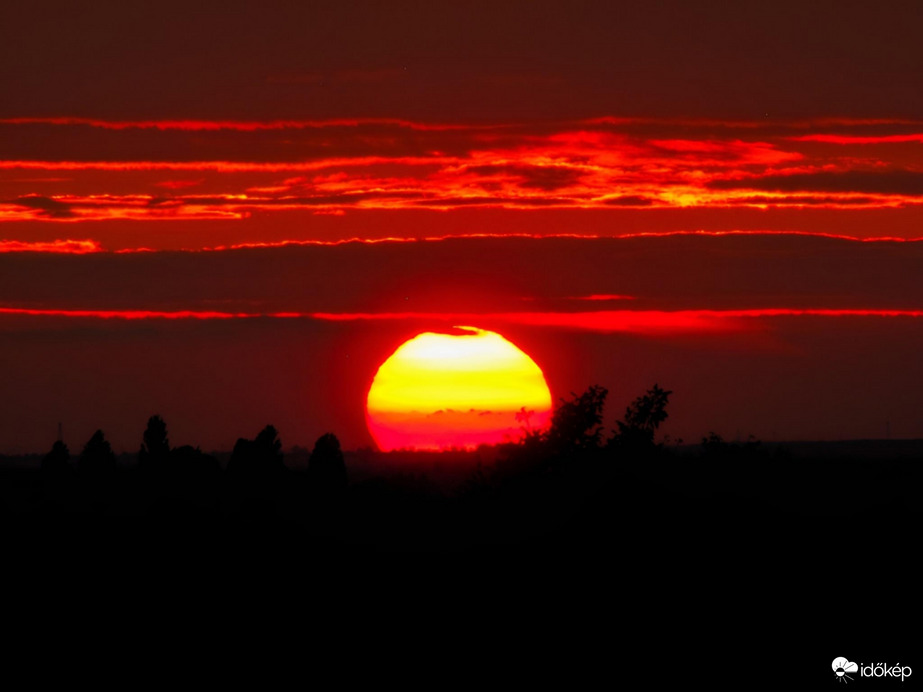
(58,459)
(715,448)
(155,442)
(713,443)
(642,418)
(268,443)
(97,457)
(260,457)
(326,466)
(576,425)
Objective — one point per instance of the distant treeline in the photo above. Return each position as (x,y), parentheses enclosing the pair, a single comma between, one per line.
(575,482)
(576,430)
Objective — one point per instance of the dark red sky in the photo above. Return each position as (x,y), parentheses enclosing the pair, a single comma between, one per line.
(190,130)
(470,61)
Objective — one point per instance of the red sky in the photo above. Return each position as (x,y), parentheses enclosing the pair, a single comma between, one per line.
(205,184)
(767,141)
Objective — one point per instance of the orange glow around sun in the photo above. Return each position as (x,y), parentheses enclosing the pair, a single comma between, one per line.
(460,389)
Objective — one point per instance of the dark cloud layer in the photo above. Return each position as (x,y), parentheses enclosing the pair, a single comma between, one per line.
(207,170)
(49,207)
(487,274)
(908,183)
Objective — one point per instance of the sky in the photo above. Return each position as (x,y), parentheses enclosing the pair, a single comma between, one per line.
(231,213)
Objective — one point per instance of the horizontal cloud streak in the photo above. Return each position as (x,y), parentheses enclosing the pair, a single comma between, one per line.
(473,275)
(95,170)
(632,321)
(73,247)
(859,139)
(648,322)
(906,184)
(238,125)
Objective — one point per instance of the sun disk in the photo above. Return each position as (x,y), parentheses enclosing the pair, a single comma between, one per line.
(460,390)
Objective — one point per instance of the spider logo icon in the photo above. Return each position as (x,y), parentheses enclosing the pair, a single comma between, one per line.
(841,667)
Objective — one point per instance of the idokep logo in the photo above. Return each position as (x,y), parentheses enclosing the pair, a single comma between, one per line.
(842,667)
(845,670)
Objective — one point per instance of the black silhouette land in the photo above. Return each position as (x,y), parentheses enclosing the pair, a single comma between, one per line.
(584,520)
(578,483)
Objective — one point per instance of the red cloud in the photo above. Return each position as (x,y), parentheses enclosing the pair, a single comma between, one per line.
(74,247)
(651,322)
(331,167)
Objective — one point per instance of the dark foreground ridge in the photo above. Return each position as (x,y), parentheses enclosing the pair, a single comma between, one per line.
(569,488)
(613,522)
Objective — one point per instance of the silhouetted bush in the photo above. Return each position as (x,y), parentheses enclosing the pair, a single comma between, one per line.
(96,459)
(57,476)
(156,446)
(715,448)
(257,458)
(576,425)
(56,463)
(635,433)
(182,474)
(326,466)
(255,470)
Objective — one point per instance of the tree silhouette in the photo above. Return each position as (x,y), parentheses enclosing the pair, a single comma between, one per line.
(269,445)
(576,425)
(715,448)
(575,433)
(255,470)
(326,466)
(57,461)
(714,445)
(57,476)
(260,458)
(156,446)
(96,459)
(642,418)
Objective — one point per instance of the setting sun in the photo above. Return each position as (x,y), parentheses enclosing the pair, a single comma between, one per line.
(457,389)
